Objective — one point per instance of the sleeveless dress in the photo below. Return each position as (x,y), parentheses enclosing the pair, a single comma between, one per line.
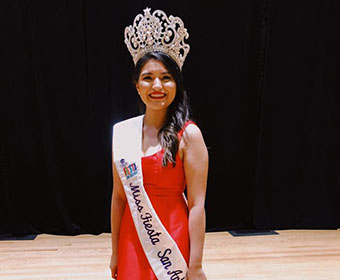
(165,187)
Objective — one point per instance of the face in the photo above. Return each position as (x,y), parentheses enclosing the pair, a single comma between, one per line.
(156,86)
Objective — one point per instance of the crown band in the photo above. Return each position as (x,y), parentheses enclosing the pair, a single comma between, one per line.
(157,32)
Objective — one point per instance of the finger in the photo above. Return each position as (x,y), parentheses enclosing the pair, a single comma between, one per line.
(114,273)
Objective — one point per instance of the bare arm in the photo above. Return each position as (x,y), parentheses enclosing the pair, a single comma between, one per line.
(196,172)
(118,203)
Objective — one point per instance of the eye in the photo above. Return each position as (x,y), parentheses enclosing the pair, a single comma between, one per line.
(147,78)
(167,78)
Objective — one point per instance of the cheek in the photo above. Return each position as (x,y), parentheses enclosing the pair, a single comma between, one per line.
(171,87)
(142,86)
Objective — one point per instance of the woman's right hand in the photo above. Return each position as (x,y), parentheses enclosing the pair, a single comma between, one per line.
(113,266)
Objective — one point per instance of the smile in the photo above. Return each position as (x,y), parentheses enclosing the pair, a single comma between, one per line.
(157,95)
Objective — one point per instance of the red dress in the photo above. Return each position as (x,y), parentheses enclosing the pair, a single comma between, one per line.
(165,187)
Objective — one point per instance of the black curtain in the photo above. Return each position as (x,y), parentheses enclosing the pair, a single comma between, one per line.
(263,81)
(297,174)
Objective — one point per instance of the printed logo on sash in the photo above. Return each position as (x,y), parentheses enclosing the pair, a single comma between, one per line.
(130,170)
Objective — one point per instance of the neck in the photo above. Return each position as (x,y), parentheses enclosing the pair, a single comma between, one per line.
(155,119)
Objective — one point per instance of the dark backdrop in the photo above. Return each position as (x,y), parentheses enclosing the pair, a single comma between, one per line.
(263,80)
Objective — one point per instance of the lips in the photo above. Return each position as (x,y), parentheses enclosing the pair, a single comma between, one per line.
(157,95)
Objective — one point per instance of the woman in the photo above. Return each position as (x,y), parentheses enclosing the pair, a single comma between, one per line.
(155,244)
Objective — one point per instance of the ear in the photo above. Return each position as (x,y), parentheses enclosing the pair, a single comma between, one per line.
(137,88)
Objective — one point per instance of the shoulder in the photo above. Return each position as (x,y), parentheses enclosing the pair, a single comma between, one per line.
(126,130)
(128,122)
(193,144)
(191,130)
(192,134)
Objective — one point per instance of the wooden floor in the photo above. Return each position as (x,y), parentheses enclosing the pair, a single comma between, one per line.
(292,254)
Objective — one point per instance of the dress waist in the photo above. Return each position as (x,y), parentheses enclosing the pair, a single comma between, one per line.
(153,190)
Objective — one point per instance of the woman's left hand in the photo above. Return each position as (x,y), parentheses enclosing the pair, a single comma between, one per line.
(196,274)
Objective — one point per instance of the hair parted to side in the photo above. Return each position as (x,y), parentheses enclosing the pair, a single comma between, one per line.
(178,112)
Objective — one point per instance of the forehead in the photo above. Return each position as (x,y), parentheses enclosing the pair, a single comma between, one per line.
(153,66)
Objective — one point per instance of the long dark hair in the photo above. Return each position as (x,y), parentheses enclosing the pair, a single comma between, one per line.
(179,110)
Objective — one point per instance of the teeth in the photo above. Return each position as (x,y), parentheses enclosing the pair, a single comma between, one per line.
(157,95)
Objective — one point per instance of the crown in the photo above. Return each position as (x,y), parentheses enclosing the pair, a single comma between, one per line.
(157,32)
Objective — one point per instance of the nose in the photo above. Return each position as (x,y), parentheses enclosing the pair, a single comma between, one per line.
(157,85)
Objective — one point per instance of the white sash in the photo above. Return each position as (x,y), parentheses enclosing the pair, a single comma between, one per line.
(161,250)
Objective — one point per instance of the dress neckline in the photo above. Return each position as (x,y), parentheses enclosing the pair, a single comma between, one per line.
(180,133)
(155,153)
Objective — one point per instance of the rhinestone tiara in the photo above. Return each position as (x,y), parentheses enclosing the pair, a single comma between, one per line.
(157,32)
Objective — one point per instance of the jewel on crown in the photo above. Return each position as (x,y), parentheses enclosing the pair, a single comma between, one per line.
(157,32)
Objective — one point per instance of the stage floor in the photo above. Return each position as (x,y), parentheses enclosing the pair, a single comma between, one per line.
(291,254)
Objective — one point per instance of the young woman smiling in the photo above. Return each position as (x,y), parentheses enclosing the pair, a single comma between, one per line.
(174,170)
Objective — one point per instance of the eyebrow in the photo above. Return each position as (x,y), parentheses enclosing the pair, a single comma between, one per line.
(149,73)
